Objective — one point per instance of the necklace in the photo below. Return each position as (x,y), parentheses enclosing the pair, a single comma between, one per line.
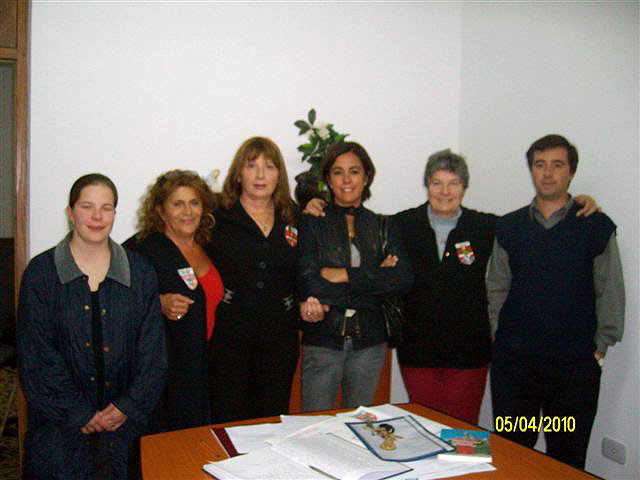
(264,222)
(263,226)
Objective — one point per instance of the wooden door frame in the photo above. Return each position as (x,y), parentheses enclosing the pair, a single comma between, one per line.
(19,55)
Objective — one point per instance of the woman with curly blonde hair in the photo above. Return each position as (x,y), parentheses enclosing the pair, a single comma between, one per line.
(255,342)
(175,221)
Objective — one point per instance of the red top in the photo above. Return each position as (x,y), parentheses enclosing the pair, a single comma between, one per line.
(213,291)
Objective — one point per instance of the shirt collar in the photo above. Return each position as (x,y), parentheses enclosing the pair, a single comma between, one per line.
(68,269)
(534,212)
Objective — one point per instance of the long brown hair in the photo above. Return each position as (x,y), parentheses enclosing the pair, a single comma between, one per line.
(149,220)
(250,150)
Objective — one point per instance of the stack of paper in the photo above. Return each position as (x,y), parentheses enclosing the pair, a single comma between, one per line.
(305,447)
(321,456)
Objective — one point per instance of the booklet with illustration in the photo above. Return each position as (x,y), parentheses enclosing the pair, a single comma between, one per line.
(399,439)
(470,446)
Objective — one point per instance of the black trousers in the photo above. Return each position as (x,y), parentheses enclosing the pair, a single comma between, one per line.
(565,391)
(251,378)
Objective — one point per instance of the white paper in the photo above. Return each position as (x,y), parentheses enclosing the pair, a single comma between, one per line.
(261,464)
(247,438)
(303,420)
(291,424)
(432,468)
(336,457)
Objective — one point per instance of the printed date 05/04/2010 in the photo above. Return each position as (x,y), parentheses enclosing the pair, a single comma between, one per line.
(534,424)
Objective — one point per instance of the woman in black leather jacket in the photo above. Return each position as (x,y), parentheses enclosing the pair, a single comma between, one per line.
(344,275)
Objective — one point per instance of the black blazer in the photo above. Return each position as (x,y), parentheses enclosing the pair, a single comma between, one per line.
(260,300)
(185,402)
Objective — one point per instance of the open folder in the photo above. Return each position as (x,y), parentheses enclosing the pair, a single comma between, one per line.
(320,457)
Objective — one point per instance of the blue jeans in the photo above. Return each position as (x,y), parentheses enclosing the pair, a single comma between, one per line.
(325,369)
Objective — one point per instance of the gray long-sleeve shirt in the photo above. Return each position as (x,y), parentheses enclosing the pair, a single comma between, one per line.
(608,282)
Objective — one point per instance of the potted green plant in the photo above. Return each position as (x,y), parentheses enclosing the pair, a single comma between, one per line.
(320,136)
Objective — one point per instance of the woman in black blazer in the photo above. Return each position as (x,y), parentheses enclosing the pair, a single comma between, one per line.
(175,221)
(254,245)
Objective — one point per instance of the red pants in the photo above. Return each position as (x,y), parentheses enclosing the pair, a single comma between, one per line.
(455,391)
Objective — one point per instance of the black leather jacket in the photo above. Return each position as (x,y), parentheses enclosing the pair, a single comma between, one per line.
(324,242)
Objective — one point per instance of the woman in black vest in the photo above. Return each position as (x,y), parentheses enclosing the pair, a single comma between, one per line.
(447,343)
(447,347)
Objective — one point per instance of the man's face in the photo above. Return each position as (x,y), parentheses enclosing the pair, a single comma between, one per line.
(551,173)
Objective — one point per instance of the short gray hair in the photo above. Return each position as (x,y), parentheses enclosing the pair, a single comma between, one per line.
(449,161)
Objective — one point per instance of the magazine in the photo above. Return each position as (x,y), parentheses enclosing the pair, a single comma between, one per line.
(470,445)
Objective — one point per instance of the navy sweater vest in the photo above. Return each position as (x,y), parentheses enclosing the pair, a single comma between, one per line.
(550,309)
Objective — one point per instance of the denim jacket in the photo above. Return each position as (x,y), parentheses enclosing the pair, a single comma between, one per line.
(324,242)
(56,358)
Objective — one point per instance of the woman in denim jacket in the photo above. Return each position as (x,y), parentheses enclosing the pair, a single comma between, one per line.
(91,348)
(343,273)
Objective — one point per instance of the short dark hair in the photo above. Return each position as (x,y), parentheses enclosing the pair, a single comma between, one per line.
(345,147)
(553,141)
(91,179)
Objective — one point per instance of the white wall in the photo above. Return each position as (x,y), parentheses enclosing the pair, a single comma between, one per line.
(533,69)
(132,90)
(135,89)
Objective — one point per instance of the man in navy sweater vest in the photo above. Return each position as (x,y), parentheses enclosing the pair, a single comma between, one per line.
(556,302)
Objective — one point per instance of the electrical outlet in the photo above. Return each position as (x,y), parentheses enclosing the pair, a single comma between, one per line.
(614,450)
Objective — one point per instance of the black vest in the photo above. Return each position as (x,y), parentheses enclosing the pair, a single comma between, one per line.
(446,319)
(550,309)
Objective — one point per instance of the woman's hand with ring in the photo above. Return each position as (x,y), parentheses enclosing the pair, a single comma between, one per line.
(174,305)
(311,310)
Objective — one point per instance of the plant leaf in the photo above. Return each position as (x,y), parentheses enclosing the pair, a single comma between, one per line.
(302,125)
(312,116)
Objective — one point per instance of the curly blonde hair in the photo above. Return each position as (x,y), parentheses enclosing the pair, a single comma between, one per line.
(149,220)
(250,150)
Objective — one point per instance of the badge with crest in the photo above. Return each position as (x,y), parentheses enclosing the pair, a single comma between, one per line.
(291,235)
(465,253)
(189,277)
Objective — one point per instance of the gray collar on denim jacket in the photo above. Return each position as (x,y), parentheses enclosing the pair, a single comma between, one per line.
(68,269)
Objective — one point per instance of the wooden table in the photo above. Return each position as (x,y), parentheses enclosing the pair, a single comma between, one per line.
(180,455)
